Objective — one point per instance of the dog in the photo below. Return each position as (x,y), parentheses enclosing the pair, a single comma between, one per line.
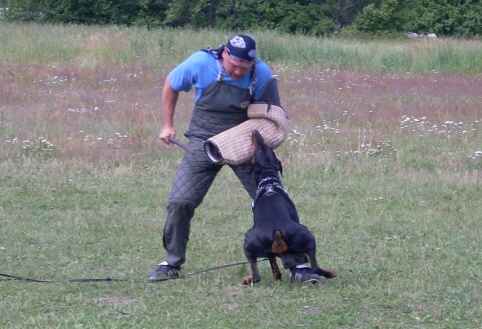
(277,230)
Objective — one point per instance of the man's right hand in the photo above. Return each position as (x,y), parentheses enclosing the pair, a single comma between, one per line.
(167,132)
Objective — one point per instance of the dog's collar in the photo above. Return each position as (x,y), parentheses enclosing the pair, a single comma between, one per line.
(266,189)
(267,179)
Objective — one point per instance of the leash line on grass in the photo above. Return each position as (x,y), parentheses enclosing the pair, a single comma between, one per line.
(14,277)
(108,279)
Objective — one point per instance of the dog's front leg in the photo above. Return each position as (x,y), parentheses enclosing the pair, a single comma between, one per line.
(254,277)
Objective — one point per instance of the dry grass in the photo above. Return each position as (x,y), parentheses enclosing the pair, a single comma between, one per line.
(113,111)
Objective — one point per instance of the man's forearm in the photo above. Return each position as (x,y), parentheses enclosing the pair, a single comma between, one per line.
(169,100)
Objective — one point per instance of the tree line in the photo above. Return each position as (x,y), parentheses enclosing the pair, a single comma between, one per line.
(310,17)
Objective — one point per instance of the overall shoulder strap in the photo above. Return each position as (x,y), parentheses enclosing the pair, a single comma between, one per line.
(253,79)
(215,52)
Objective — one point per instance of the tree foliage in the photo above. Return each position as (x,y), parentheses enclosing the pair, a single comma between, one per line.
(313,17)
(379,17)
(443,17)
(450,17)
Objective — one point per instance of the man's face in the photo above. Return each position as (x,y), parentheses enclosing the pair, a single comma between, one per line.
(234,68)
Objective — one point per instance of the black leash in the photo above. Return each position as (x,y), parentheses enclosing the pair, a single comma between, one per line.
(180,144)
(14,277)
(108,279)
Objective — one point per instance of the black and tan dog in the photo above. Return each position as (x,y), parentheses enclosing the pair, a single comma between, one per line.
(277,230)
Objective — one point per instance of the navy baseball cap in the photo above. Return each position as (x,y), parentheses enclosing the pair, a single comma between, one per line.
(242,47)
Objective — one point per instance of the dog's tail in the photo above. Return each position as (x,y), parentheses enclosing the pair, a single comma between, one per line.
(279,246)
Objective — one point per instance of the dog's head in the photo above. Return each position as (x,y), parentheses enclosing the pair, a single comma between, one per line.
(264,160)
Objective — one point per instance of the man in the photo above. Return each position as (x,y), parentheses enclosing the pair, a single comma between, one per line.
(226,80)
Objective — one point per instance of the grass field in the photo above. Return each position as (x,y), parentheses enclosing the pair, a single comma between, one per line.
(384,163)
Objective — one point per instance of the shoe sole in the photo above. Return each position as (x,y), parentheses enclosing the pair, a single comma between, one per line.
(307,281)
(162,278)
(312,281)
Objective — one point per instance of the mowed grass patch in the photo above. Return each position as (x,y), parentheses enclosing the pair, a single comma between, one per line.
(406,250)
(384,168)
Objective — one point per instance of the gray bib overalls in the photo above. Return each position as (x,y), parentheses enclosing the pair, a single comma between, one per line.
(220,107)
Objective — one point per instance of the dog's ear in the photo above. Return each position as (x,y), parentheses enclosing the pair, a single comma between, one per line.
(280,168)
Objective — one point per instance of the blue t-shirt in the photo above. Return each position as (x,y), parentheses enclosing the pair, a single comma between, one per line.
(201,69)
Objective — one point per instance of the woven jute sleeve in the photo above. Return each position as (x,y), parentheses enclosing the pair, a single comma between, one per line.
(234,145)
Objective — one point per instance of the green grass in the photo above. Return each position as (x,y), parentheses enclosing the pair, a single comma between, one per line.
(405,245)
(91,46)
(385,169)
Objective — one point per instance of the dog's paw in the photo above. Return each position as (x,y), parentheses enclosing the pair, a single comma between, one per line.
(247,280)
(329,274)
(250,280)
(325,273)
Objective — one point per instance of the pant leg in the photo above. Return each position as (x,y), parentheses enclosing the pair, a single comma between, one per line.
(191,183)
(290,261)
(245,174)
